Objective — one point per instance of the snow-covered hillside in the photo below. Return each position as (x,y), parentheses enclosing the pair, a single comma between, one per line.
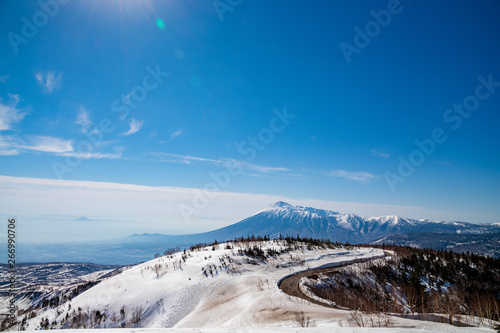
(216,287)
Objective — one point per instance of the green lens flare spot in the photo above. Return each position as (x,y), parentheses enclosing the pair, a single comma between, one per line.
(160,24)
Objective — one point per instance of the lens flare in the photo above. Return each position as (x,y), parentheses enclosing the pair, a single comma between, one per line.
(160,24)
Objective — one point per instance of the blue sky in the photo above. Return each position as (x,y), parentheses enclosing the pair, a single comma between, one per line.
(228,73)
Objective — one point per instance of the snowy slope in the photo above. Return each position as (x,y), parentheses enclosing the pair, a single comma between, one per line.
(239,292)
(185,297)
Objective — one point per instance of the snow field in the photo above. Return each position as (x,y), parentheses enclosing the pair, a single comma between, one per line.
(241,294)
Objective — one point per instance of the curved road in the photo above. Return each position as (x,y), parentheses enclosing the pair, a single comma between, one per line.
(290,285)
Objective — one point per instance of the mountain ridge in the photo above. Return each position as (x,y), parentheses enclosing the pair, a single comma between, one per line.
(345,226)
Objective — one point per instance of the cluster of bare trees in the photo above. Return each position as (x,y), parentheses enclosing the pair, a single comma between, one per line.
(80,319)
(373,319)
(302,320)
(161,268)
(225,264)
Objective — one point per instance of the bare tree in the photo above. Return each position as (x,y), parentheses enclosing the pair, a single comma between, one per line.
(356,318)
(436,303)
(490,308)
(122,312)
(412,297)
(158,269)
(451,305)
(137,315)
(380,320)
(302,320)
(98,317)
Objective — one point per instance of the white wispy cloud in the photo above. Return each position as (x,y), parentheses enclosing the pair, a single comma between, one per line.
(13,145)
(177,133)
(103,144)
(9,152)
(359,176)
(222,162)
(116,154)
(7,146)
(260,168)
(4,78)
(48,144)
(10,113)
(379,153)
(49,81)
(187,159)
(135,125)
(83,119)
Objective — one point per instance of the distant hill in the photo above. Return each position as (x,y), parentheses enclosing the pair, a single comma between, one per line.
(485,244)
(83,218)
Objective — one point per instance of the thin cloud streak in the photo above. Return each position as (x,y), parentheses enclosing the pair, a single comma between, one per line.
(86,156)
(48,144)
(379,153)
(177,133)
(12,145)
(98,156)
(222,162)
(359,176)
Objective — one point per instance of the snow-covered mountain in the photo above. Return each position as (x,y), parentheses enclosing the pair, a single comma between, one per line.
(283,218)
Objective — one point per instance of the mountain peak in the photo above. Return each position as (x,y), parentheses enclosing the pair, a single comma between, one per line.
(83,218)
(280,204)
